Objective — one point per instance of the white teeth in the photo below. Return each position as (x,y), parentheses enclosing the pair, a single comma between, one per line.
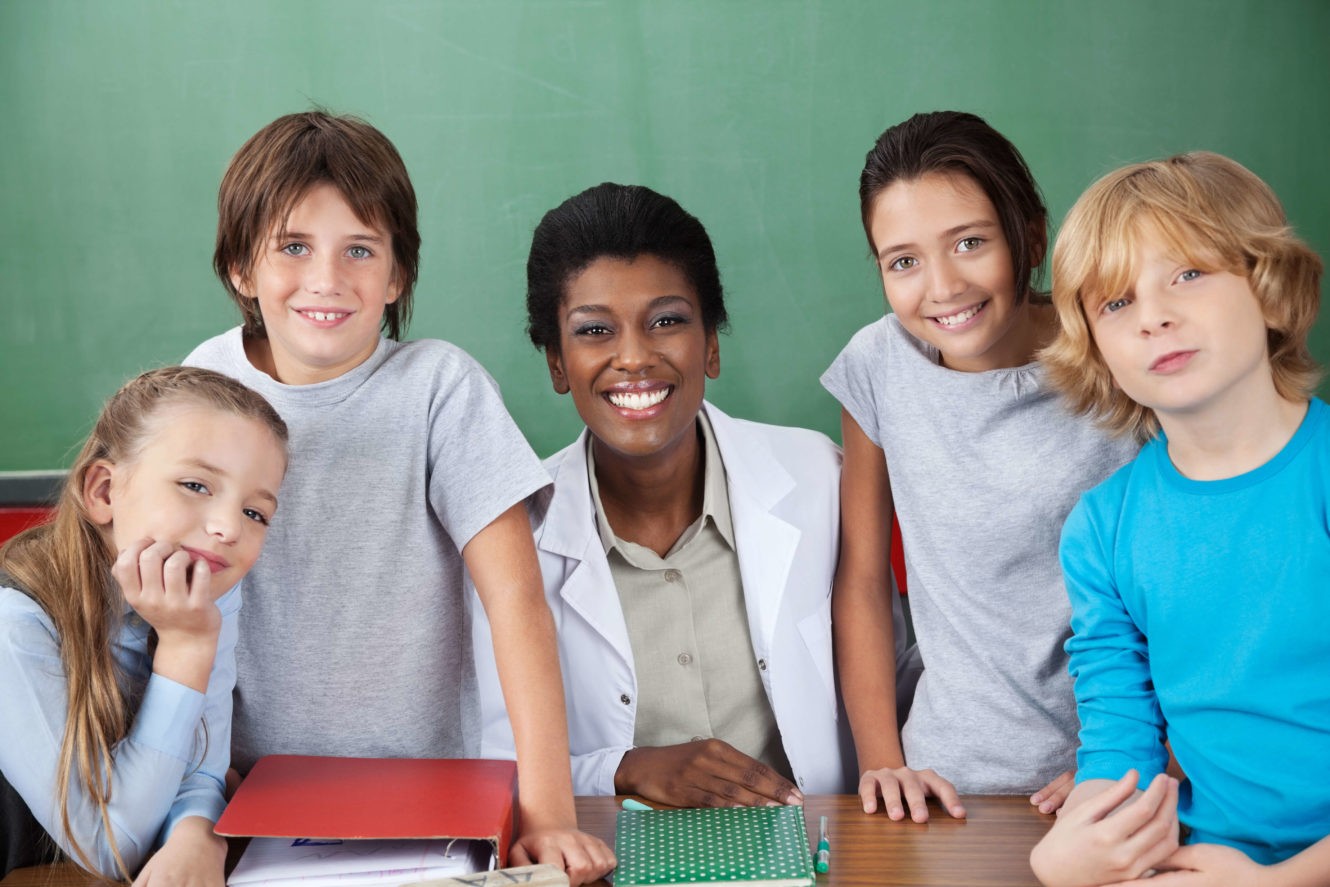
(638,401)
(325,315)
(961,317)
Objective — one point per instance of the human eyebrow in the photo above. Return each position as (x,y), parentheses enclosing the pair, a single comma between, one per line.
(894,248)
(206,466)
(588,309)
(981,225)
(366,237)
(664,301)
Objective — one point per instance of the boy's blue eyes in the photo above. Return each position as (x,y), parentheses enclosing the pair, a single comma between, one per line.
(1113,305)
(255,516)
(299,249)
(194,486)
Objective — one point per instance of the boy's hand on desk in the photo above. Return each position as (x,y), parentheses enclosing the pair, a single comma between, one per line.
(193,856)
(1110,837)
(1051,797)
(898,786)
(1207,865)
(703,773)
(582,856)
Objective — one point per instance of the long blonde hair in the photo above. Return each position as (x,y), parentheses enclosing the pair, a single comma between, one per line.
(65,566)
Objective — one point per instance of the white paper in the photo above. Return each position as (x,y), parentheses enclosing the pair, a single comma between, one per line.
(302,862)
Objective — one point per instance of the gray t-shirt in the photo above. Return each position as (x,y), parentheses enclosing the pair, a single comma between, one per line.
(355,637)
(984,469)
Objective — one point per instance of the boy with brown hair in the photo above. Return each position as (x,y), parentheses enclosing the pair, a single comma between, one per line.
(406,469)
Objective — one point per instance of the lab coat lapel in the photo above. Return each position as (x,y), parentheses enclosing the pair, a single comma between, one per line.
(568,531)
(757,483)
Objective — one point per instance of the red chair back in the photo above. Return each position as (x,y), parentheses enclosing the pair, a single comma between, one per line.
(15,520)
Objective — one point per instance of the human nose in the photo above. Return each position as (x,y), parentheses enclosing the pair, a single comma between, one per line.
(944,282)
(634,353)
(323,275)
(1153,313)
(223,523)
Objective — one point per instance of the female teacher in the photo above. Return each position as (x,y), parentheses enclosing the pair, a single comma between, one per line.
(687,555)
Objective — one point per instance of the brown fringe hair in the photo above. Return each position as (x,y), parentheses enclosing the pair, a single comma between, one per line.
(278,166)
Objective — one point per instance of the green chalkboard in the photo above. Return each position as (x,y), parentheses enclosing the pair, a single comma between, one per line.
(119,117)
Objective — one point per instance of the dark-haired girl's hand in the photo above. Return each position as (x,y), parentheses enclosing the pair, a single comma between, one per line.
(1051,797)
(902,787)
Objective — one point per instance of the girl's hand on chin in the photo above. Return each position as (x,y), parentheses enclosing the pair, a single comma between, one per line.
(173,594)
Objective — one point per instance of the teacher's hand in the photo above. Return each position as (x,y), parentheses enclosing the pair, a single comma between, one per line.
(703,773)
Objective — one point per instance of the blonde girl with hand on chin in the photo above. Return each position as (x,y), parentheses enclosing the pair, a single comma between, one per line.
(118,630)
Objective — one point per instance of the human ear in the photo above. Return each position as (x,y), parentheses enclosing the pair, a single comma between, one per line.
(239,284)
(557,377)
(1038,245)
(97,492)
(713,355)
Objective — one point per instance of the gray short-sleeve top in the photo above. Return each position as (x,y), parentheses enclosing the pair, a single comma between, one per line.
(984,468)
(355,637)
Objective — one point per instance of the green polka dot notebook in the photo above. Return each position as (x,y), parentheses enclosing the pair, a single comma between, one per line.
(727,845)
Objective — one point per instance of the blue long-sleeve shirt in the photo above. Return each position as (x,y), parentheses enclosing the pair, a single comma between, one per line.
(1199,612)
(172,764)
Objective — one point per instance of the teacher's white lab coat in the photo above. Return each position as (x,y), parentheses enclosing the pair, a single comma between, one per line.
(784,499)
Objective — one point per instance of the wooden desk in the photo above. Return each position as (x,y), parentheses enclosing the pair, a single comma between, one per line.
(990,848)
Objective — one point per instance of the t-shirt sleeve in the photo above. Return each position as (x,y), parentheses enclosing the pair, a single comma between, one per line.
(1121,724)
(854,376)
(480,464)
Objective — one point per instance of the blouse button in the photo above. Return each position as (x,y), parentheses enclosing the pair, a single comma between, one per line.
(684,658)
(623,697)
(672,575)
(762,665)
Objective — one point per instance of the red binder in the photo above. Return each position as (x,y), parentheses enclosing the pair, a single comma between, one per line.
(303,796)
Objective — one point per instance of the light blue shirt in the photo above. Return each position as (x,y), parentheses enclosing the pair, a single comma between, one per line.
(1199,612)
(172,764)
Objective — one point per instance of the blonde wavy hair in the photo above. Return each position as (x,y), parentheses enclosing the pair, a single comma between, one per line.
(1208,210)
(65,566)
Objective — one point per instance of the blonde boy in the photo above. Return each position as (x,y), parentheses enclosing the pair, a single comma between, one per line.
(1198,573)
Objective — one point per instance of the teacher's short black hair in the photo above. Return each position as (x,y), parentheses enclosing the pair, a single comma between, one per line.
(619,222)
